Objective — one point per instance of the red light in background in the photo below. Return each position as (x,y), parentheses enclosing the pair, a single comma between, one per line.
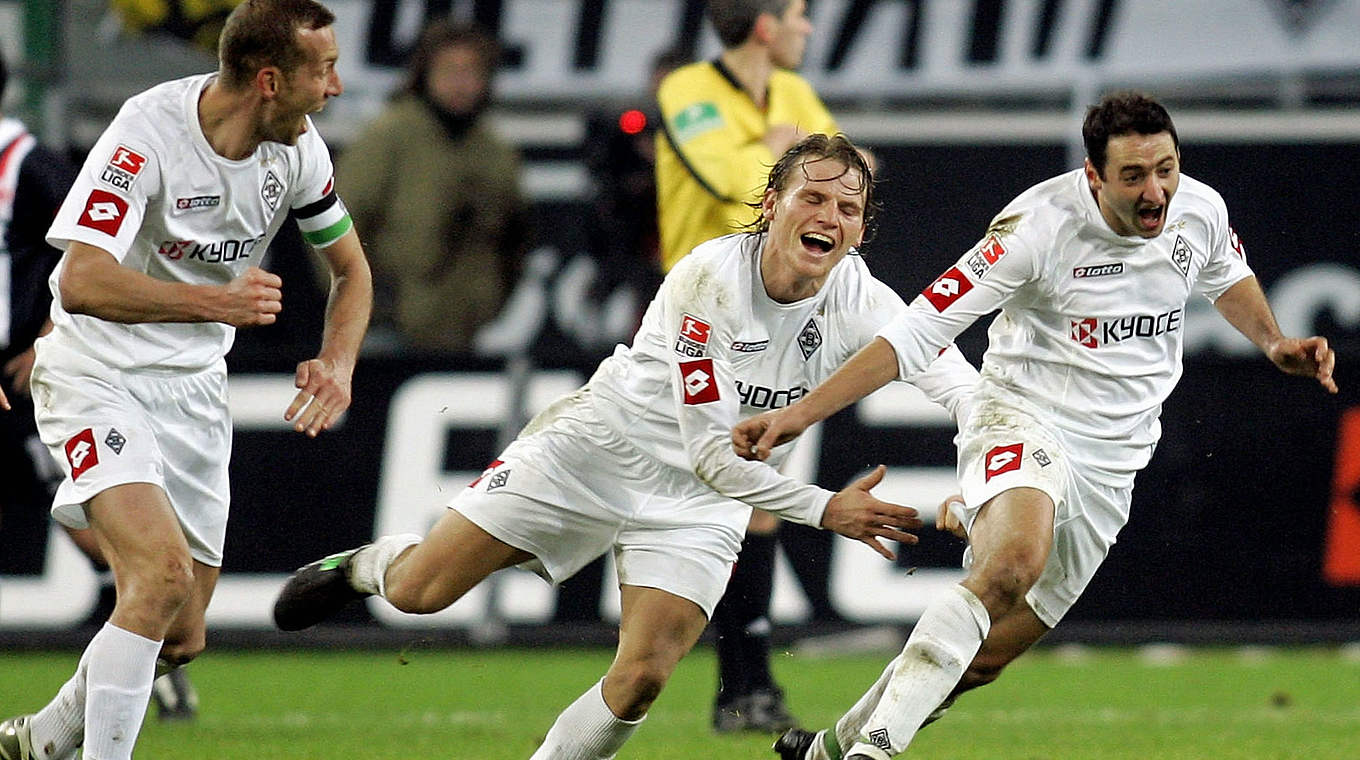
(632,121)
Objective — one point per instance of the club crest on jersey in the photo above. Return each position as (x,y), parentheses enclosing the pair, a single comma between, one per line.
(81,453)
(115,441)
(499,479)
(693,337)
(699,383)
(1180,255)
(489,469)
(272,189)
(123,167)
(987,253)
(1042,457)
(810,339)
(104,211)
(947,289)
(1002,459)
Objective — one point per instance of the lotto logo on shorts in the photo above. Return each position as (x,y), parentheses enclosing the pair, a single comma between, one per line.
(104,211)
(947,289)
(1003,459)
(693,337)
(699,383)
(80,453)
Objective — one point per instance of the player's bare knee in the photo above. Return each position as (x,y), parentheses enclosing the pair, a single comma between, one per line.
(636,685)
(161,590)
(181,652)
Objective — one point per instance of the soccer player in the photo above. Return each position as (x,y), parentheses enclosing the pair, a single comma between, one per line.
(724,122)
(1091,271)
(163,231)
(638,461)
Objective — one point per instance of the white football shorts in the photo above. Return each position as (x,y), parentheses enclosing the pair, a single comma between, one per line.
(1003,446)
(573,489)
(107,427)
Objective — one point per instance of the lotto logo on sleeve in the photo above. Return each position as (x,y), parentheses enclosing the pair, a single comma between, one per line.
(1003,459)
(700,385)
(123,167)
(693,337)
(947,289)
(80,453)
(104,211)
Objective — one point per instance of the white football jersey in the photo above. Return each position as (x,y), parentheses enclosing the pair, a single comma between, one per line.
(1091,323)
(155,195)
(714,348)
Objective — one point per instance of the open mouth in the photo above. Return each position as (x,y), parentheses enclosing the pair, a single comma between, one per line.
(1150,217)
(818,241)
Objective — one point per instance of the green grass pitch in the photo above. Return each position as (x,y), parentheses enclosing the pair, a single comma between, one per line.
(1264,704)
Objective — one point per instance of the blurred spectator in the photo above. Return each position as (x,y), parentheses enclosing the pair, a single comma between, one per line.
(437,196)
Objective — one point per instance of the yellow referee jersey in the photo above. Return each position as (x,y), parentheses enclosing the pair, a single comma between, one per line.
(710,158)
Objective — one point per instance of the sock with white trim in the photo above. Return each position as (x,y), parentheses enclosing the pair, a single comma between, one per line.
(119,673)
(586,730)
(368,566)
(938,651)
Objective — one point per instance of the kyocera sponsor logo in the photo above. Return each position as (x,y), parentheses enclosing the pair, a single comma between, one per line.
(760,397)
(1094,333)
(216,252)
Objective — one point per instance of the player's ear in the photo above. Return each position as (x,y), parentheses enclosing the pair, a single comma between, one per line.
(1092,175)
(767,204)
(268,81)
(763,30)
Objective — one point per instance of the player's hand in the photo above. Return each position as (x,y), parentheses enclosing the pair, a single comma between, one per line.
(755,437)
(947,521)
(323,395)
(254,298)
(4,402)
(1306,357)
(856,513)
(18,371)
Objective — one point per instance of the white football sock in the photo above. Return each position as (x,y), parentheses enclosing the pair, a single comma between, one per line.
(940,648)
(368,567)
(59,727)
(119,673)
(586,730)
(848,727)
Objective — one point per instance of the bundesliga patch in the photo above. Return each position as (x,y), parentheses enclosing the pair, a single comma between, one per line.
(947,289)
(1002,459)
(272,189)
(198,203)
(1236,243)
(1180,255)
(988,252)
(1099,270)
(115,440)
(123,167)
(810,339)
(81,454)
(104,211)
(693,337)
(698,381)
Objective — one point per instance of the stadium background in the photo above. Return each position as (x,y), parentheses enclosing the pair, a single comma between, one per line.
(1245,526)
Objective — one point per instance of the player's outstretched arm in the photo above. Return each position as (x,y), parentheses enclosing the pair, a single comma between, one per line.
(871,368)
(1245,307)
(324,383)
(94,283)
(856,513)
